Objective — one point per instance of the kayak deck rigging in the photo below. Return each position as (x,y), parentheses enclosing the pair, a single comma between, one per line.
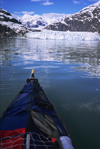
(31,121)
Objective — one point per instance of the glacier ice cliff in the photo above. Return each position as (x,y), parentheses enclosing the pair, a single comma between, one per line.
(60,35)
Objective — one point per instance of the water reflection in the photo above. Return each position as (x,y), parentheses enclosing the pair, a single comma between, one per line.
(90,106)
(85,55)
(70,74)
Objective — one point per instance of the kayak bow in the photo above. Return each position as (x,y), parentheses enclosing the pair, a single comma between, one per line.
(31,122)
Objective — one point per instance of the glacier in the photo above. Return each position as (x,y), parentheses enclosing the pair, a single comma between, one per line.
(60,35)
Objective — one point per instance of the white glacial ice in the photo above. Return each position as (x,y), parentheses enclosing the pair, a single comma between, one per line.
(56,35)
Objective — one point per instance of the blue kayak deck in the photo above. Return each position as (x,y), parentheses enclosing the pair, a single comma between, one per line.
(18,115)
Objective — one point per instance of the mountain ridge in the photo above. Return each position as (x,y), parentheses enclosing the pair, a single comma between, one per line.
(9,26)
(87,19)
(40,21)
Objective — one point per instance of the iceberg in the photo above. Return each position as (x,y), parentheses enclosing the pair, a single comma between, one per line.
(60,35)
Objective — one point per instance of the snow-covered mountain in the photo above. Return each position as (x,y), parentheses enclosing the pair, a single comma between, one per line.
(88,19)
(40,22)
(35,21)
(9,26)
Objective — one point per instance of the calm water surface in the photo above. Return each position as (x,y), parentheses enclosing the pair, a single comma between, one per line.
(70,75)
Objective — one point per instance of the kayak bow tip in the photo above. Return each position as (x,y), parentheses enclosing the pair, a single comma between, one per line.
(32,74)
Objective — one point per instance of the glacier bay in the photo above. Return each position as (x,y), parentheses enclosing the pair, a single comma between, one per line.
(69,72)
(60,35)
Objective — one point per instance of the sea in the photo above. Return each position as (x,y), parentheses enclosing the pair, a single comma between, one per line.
(68,71)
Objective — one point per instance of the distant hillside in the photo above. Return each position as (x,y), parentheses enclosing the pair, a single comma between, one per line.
(10,26)
(88,19)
